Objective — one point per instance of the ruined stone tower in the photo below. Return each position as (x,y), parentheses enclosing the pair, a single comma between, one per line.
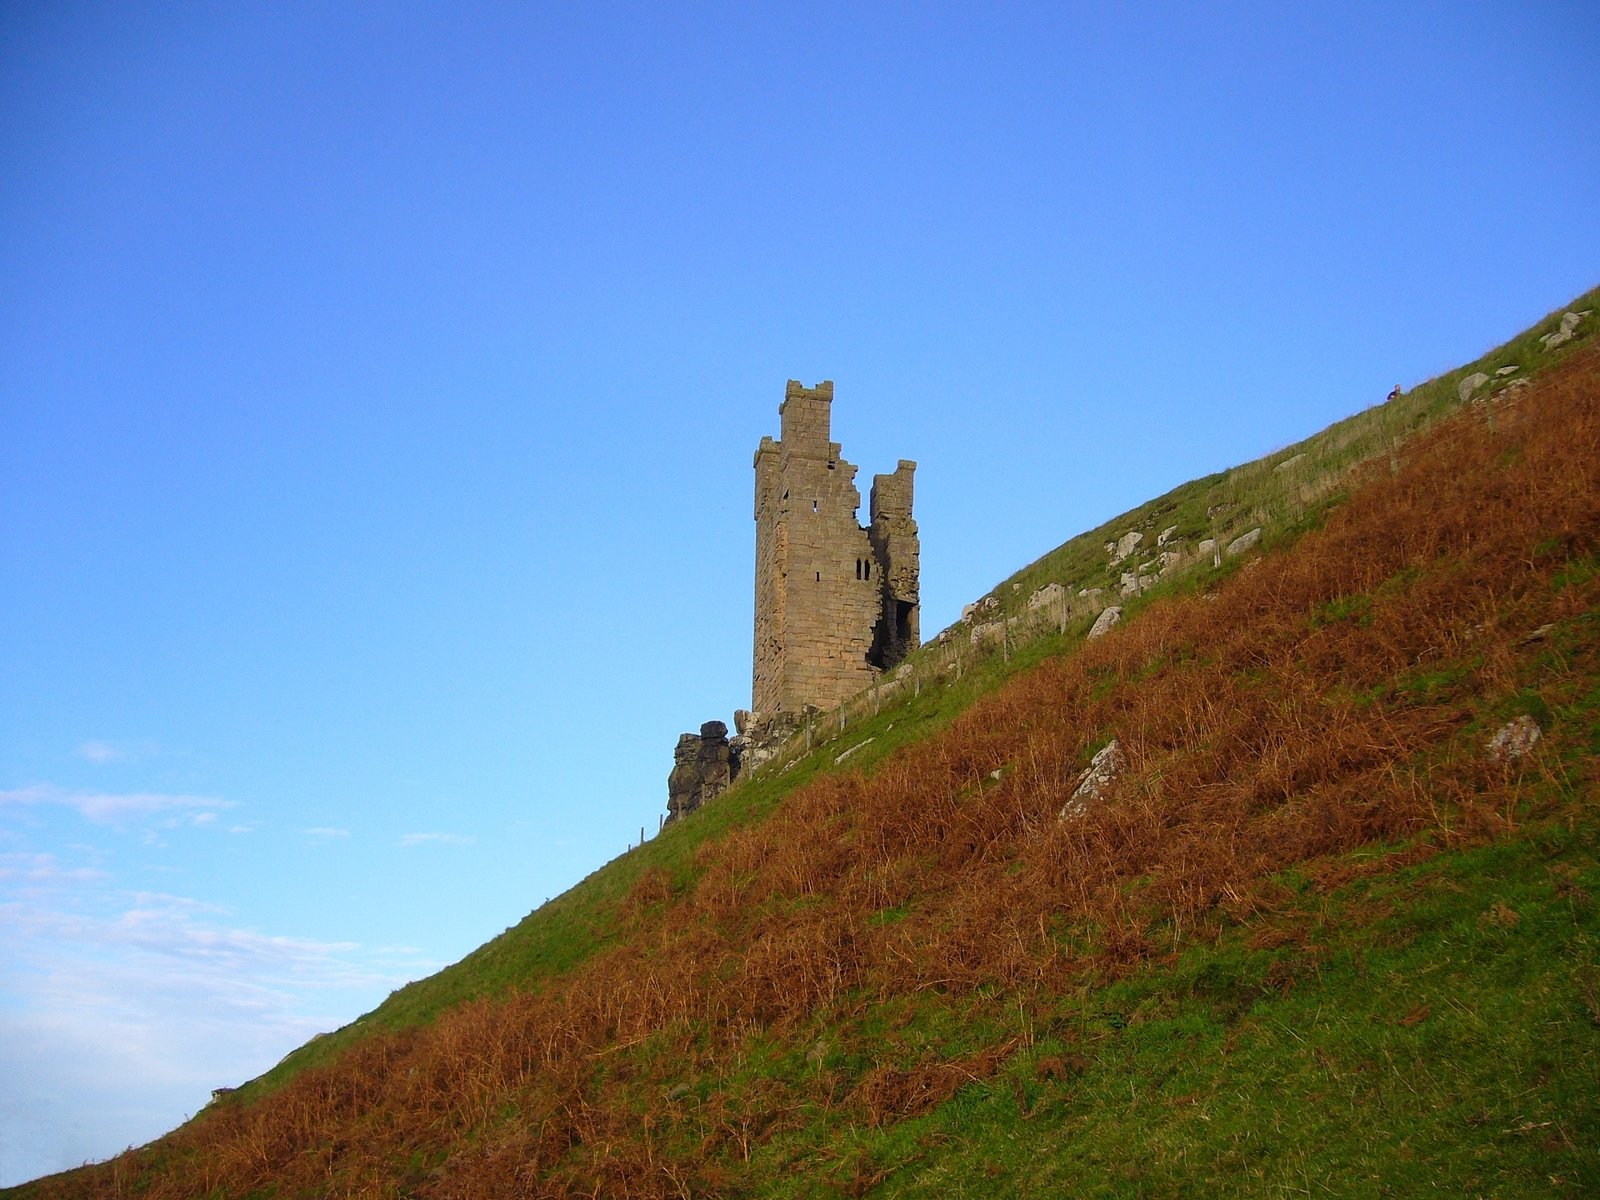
(836,603)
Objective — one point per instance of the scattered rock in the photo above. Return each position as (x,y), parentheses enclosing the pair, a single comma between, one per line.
(1166,535)
(1050,595)
(996,775)
(1511,370)
(1514,739)
(1244,541)
(990,633)
(852,750)
(1169,559)
(1133,583)
(1538,635)
(1289,462)
(1470,384)
(1566,331)
(1124,546)
(1090,593)
(1101,773)
(1209,546)
(1104,622)
(222,1093)
(979,607)
(1217,508)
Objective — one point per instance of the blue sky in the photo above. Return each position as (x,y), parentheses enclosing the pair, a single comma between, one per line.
(379,383)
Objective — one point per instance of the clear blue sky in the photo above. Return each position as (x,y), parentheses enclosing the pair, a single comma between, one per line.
(379,383)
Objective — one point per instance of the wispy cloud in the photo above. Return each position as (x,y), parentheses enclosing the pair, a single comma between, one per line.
(110,808)
(448,839)
(44,868)
(98,750)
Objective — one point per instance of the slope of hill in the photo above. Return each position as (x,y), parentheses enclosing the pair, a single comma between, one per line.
(1312,934)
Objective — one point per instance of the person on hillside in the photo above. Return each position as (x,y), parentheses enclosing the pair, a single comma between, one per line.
(1394,395)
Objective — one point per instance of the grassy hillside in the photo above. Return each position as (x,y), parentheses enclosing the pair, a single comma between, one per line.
(1313,938)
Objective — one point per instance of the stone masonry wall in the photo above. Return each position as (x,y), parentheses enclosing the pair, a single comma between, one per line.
(835,603)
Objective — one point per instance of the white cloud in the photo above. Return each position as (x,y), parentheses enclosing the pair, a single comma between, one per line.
(110,808)
(323,831)
(98,750)
(44,868)
(449,839)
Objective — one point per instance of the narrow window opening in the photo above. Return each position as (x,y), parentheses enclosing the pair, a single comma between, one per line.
(813,506)
(819,576)
(868,566)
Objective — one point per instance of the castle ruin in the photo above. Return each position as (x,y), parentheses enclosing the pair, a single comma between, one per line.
(836,601)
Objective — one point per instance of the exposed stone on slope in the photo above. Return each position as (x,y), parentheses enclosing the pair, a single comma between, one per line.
(1130,584)
(1566,331)
(1096,779)
(1244,541)
(1124,546)
(1104,622)
(840,758)
(760,737)
(1470,384)
(1514,739)
(1050,595)
(700,769)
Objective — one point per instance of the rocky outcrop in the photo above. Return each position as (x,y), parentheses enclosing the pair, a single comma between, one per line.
(708,763)
(701,769)
(759,738)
